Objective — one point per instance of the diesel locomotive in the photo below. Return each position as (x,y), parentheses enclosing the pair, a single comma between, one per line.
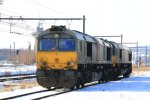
(69,58)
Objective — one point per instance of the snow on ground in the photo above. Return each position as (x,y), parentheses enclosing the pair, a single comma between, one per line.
(16,70)
(136,87)
(19,92)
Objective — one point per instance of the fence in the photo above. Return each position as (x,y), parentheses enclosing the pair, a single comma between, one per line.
(17,57)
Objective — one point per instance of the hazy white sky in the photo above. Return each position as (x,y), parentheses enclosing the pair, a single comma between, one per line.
(103,17)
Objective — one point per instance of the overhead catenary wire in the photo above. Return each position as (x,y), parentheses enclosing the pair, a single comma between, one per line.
(12,23)
(21,18)
(46,7)
(12,12)
(19,14)
(41,5)
(1,1)
(54,10)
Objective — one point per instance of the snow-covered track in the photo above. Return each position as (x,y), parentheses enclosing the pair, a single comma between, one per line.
(26,94)
(63,91)
(16,77)
(41,94)
(46,96)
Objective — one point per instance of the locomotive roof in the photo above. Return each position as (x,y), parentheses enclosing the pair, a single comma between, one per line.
(123,47)
(82,36)
(126,48)
(77,34)
(114,44)
(120,46)
(104,42)
(100,41)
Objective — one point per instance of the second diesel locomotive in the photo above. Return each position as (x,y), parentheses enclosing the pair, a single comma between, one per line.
(69,58)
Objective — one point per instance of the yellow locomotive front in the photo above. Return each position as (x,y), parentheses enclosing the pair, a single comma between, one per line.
(56,58)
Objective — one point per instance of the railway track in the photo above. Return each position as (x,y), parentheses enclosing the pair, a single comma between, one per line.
(23,95)
(55,94)
(42,94)
(16,77)
(37,95)
(66,91)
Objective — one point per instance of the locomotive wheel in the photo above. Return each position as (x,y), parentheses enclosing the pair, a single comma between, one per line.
(49,88)
(77,86)
(100,81)
(82,85)
(72,88)
(105,76)
(114,77)
(126,75)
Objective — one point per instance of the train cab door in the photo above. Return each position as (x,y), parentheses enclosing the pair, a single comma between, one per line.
(81,54)
(89,51)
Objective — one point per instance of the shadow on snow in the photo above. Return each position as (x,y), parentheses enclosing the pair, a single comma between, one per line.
(136,84)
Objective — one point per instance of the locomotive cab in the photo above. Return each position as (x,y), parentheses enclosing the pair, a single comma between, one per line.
(56,57)
(56,50)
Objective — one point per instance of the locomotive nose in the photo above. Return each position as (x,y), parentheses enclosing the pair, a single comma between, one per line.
(57,60)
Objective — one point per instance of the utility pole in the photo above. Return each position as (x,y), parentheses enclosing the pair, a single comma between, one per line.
(0,17)
(14,48)
(1,2)
(137,55)
(146,55)
(121,38)
(84,24)
(10,28)
(10,52)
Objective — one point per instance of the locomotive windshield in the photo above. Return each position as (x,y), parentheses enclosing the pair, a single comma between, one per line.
(56,42)
(47,44)
(66,45)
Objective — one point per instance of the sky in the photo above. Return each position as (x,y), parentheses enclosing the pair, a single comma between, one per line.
(131,18)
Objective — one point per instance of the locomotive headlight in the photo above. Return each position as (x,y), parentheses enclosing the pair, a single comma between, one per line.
(41,63)
(70,63)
